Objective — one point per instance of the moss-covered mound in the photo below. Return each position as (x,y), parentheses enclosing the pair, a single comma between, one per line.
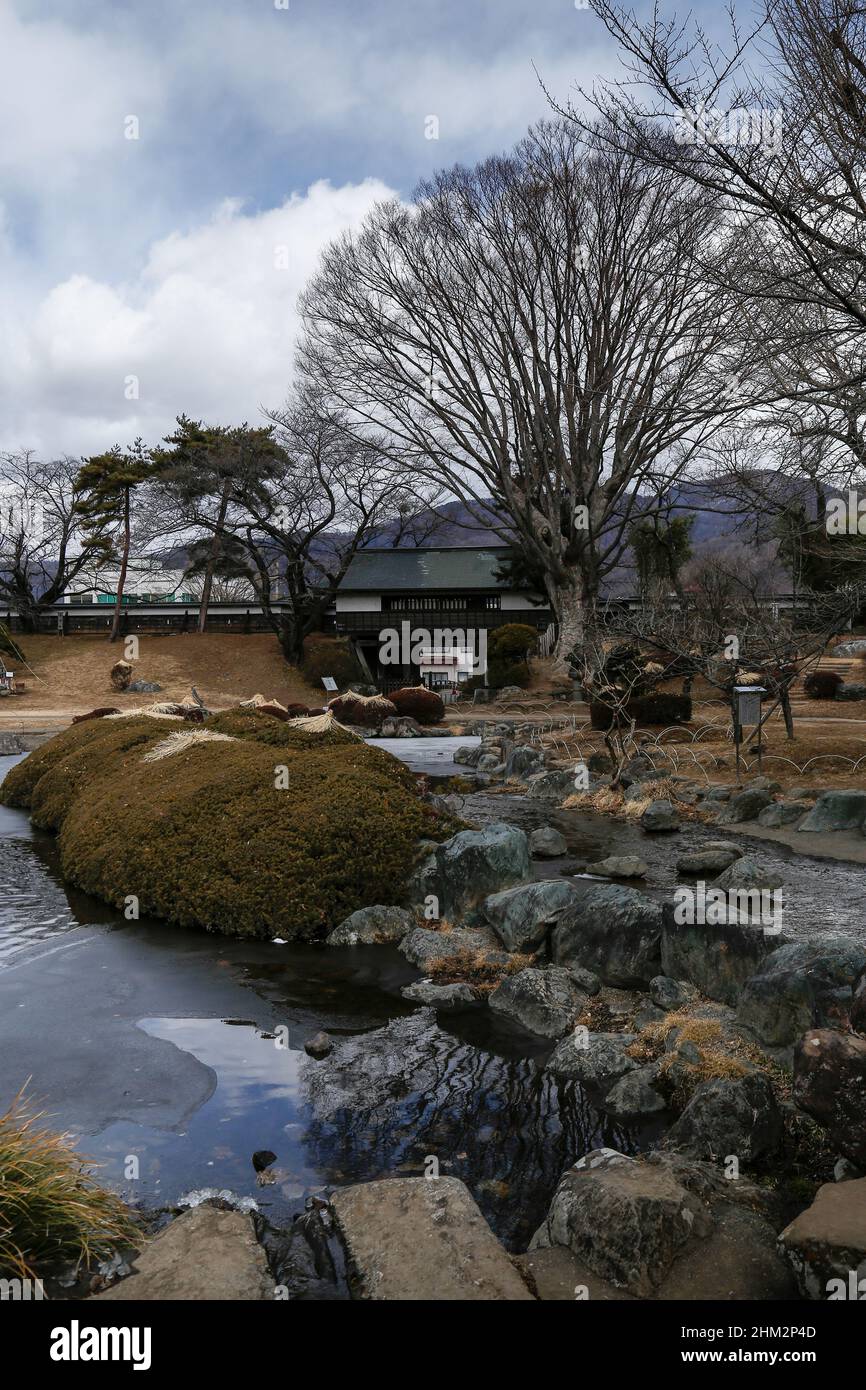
(272,831)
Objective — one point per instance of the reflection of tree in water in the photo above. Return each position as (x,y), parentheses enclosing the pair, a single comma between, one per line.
(384,1101)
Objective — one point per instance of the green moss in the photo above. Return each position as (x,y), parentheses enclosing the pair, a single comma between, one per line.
(207,838)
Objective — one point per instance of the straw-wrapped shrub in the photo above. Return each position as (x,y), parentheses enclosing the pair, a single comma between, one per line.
(367,711)
(419,703)
(211,836)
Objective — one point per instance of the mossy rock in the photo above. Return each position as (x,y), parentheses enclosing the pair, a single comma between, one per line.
(207,838)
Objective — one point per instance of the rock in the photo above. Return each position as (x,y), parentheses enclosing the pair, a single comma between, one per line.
(647,1014)
(521,916)
(487,762)
(320,1045)
(141,687)
(469,867)
(596,1060)
(830,1085)
(600,763)
(263,1158)
(620,866)
(422,945)
(372,926)
(467,754)
(855,647)
(804,984)
(669,1227)
(804,793)
(420,1240)
(555,1275)
(717,794)
(613,931)
(763,784)
(706,862)
(545,1002)
(671,994)
(510,692)
(586,981)
(444,998)
(783,813)
(846,1171)
(718,958)
(826,1243)
(205,1254)
(851,690)
(730,1115)
(552,786)
(547,843)
(841,810)
(628,1220)
(857,1011)
(746,805)
(523,760)
(634,1096)
(747,874)
(658,816)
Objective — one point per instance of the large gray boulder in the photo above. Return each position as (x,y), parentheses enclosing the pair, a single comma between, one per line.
(747,873)
(746,805)
(449,999)
(596,1060)
(635,1096)
(521,916)
(613,931)
(718,958)
(203,1254)
(422,945)
(547,843)
(669,1227)
(628,1220)
(830,1085)
(783,813)
(660,816)
(552,786)
(467,868)
(422,1240)
(826,1243)
(803,984)
(738,1115)
(372,926)
(620,866)
(708,862)
(841,810)
(523,760)
(545,1002)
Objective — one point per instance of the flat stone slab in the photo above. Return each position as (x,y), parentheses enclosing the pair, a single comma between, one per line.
(204,1254)
(422,1239)
(827,1242)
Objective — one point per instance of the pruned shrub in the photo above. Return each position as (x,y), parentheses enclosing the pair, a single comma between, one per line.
(822,685)
(99,713)
(53,1211)
(660,708)
(294,709)
(511,643)
(329,656)
(367,711)
(279,712)
(417,702)
(120,675)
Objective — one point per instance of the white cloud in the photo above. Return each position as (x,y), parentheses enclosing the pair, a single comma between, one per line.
(208,328)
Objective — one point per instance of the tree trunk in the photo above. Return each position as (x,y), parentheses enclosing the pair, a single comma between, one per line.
(212,559)
(118,607)
(570,608)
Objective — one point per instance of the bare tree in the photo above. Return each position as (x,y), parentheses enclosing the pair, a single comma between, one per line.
(42,550)
(540,334)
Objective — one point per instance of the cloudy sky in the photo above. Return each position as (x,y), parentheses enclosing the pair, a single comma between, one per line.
(170,169)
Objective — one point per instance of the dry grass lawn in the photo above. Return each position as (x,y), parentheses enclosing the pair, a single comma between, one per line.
(74,677)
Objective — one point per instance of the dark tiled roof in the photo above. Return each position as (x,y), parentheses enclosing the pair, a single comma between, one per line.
(412,571)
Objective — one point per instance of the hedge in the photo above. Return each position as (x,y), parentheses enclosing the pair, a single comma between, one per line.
(418,703)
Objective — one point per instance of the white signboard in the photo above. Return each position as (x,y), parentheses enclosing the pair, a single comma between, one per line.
(329,683)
